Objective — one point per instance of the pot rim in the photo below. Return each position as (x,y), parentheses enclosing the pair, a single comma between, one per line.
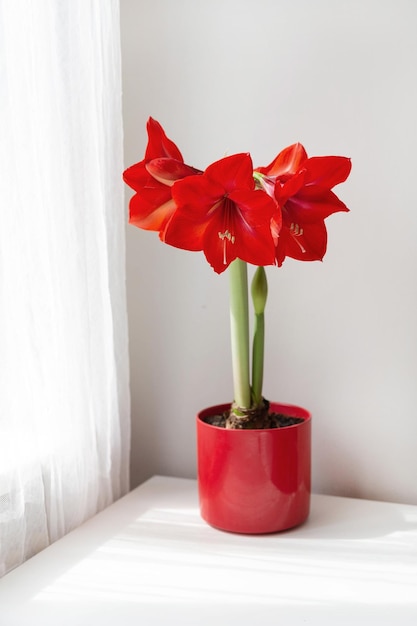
(305,416)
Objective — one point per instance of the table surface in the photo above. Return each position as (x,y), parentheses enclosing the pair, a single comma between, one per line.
(149,560)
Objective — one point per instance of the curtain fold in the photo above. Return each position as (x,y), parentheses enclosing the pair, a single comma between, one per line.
(64,399)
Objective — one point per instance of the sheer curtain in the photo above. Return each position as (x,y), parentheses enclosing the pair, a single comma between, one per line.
(64,400)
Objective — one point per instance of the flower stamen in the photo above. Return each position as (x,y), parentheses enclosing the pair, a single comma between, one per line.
(225,237)
(296,230)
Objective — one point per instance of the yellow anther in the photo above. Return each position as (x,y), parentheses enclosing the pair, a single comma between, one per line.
(296,230)
(227,235)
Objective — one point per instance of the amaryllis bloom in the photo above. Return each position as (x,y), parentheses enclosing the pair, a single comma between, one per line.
(221,213)
(152,205)
(237,216)
(301,186)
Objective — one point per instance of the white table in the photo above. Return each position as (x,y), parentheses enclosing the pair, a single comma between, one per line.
(149,560)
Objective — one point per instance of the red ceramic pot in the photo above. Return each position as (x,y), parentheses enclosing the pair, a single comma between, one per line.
(254,481)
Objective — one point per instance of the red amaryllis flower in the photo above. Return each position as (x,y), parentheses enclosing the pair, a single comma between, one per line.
(302,187)
(221,213)
(152,205)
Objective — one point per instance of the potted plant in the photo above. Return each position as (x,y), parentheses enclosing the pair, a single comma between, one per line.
(253,455)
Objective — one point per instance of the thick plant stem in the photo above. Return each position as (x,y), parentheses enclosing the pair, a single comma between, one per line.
(239,327)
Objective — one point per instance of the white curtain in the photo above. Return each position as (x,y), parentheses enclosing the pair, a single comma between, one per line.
(64,401)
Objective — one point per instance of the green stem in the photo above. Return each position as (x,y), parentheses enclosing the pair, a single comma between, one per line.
(239,327)
(258,358)
(259,291)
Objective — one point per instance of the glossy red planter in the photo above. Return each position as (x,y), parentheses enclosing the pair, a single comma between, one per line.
(254,481)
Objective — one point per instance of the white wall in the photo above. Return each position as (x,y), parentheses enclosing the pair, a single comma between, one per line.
(235,75)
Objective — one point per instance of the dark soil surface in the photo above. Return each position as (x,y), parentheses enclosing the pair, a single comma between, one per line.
(272,420)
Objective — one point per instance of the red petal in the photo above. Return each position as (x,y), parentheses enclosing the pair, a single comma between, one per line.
(254,208)
(327,171)
(151,208)
(196,195)
(233,172)
(287,162)
(311,245)
(167,171)
(221,249)
(276,225)
(290,188)
(313,204)
(136,176)
(181,232)
(158,143)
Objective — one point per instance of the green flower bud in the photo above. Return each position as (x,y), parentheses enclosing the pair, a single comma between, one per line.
(259,290)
